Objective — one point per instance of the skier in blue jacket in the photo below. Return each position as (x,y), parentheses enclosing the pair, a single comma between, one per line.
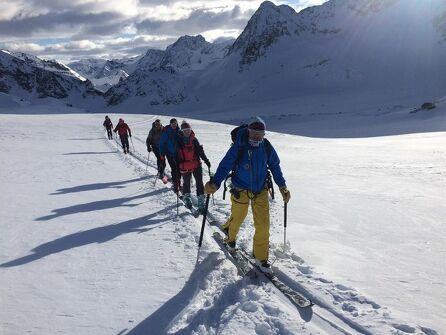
(168,147)
(249,158)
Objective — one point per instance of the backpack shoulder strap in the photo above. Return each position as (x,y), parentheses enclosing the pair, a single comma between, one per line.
(268,147)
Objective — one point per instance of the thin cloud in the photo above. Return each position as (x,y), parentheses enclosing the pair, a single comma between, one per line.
(198,21)
(66,21)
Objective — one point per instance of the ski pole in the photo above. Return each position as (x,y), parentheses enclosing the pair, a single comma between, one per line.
(156,178)
(210,176)
(132,143)
(204,220)
(178,195)
(147,165)
(178,200)
(285,215)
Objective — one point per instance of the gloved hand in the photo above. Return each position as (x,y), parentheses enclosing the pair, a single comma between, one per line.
(149,149)
(210,188)
(285,194)
(208,164)
(162,157)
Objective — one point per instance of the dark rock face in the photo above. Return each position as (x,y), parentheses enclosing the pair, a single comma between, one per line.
(26,75)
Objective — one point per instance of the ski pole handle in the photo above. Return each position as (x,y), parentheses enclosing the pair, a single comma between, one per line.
(204,220)
(285,217)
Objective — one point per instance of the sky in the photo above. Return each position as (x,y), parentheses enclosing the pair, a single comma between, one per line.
(75,29)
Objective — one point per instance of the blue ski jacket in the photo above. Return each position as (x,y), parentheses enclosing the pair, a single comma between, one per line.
(169,141)
(250,171)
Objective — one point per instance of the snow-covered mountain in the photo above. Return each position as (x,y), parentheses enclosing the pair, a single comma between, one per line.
(29,77)
(345,56)
(105,73)
(361,56)
(162,76)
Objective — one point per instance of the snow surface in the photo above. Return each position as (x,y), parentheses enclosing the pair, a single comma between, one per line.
(90,246)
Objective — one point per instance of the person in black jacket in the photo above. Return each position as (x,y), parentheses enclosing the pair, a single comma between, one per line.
(109,126)
(153,144)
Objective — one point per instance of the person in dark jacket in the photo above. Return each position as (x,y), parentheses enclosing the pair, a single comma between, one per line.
(249,161)
(124,132)
(189,153)
(153,144)
(168,147)
(108,125)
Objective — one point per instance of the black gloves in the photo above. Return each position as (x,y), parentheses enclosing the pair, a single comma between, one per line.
(149,149)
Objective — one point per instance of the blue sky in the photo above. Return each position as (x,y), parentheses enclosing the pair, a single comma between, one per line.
(70,30)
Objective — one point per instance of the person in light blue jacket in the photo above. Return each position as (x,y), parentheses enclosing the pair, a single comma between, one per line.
(249,159)
(168,147)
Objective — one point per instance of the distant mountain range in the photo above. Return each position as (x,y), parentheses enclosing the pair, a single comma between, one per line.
(29,77)
(366,50)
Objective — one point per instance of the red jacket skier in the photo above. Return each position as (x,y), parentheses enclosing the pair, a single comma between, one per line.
(124,132)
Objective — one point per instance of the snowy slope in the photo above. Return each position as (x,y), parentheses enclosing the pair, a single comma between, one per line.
(91,245)
(30,78)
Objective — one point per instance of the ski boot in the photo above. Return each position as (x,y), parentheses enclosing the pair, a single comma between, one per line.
(230,246)
(187,201)
(201,203)
(265,267)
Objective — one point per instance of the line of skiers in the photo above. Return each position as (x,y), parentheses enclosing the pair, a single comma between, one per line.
(184,154)
(122,129)
(247,163)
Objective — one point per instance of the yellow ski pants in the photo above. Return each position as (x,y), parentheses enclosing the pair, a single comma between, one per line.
(260,211)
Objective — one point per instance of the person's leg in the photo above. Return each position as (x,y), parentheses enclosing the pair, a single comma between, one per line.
(260,211)
(122,138)
(198,176)
(159,162)
(186,182)
(186,189)
(127,142)
(175,172)
(239,210)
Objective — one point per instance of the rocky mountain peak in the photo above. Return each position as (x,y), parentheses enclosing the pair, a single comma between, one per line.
(265,27)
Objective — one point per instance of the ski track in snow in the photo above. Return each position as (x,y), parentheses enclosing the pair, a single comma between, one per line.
(341,309)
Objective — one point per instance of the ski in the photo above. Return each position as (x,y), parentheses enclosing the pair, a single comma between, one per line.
(296,298)
(242,265)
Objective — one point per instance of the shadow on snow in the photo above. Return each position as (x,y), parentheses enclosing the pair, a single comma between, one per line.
(95,235)
(97,186)
(99,205)
(162,320)
(90,153)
